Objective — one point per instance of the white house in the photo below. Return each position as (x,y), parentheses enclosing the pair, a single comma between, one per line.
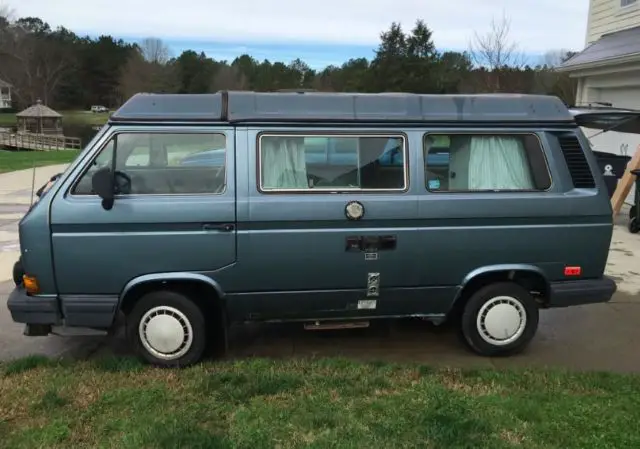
(608,69)
(5,95)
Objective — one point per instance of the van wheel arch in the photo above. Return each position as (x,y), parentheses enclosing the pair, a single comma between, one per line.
(202,294)
(531,280)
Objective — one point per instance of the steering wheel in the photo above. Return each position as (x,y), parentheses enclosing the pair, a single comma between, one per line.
(122,187)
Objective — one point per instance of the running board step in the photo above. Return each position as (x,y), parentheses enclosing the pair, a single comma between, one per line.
(63,331)
(331,325)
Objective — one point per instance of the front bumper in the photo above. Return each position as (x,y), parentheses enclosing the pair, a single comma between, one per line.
(33,309)
(579,292)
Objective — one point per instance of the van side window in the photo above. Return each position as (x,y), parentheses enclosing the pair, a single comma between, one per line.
(321,162)
(162,164)
(485,162)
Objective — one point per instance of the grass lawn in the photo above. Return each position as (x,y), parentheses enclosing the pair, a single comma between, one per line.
(19,160)
(329,403)
(68,118)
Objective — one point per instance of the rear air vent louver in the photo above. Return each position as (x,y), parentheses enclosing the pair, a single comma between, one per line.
(576,162)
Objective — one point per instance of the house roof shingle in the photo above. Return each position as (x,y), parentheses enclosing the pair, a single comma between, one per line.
(4,84)
(609,46)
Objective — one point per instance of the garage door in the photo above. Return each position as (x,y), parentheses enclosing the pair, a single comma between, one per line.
(613,142)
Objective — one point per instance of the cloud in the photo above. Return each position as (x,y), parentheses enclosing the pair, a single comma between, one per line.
(536,25)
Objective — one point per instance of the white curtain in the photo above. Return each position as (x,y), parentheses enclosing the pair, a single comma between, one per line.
(498,163)
(283,163)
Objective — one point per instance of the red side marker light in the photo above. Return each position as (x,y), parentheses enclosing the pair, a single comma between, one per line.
(572,271)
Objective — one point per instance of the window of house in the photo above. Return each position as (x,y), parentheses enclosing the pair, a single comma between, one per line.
(624,3)
(161,164)
(321,162)
(484,162)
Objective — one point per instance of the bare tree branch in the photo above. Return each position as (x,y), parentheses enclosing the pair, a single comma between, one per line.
(494,49)
(154,50)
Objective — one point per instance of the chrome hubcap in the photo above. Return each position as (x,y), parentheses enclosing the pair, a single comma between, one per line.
(501,320)
(166,332)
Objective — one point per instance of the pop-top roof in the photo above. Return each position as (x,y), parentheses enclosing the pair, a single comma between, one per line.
(243,106)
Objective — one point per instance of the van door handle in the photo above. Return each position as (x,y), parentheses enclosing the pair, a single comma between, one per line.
(227,227)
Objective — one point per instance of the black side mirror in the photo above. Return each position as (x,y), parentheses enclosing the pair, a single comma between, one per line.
(103,185)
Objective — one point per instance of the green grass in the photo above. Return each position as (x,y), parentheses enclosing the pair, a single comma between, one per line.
(19,160)
(68,118)
(330,403)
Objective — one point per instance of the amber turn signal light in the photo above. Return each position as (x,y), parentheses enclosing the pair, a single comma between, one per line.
(30,284)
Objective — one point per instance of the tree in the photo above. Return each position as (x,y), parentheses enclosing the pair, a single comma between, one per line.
(69,71)
(405,62)
(495,52)
(454,71)
(550,81)
(494,49)
(6,16)
(154,50)
(194,72)
(35,58)
(140,75)
(229,78)
(100,64)
(555,58)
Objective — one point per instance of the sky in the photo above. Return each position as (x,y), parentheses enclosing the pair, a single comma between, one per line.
(320,33)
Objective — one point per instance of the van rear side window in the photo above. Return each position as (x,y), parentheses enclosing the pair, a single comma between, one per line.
(328,162)
(485,162)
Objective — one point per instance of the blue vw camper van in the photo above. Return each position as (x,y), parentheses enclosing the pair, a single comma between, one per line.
(187,213)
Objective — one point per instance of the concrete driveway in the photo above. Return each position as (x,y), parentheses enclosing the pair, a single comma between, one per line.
(600,337)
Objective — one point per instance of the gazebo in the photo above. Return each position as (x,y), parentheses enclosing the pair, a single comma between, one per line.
(39,119)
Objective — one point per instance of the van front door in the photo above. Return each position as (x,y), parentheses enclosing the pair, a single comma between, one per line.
(174,210)
(329,226)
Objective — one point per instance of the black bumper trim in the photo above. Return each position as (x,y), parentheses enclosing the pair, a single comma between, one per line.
(94,311)
(97,311)
(579,292)
(33,309)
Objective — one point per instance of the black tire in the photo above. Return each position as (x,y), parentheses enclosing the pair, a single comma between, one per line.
(177,308)
(632,212)
(520,298)
(18,271)
(633,225)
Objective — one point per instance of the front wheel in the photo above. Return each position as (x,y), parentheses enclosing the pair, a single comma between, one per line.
(633,225)
(499,319)
(167,328)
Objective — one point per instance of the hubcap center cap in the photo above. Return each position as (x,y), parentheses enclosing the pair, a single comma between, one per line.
(502,321)
(165,333)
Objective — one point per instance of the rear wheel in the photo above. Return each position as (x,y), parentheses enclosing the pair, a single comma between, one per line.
(499,319)
(167,328)
(633,225)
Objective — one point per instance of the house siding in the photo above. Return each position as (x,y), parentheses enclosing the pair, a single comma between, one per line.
(606,16)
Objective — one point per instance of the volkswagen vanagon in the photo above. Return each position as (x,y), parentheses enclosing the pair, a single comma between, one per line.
(187,213)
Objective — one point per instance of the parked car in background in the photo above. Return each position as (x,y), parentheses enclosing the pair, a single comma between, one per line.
(98,108)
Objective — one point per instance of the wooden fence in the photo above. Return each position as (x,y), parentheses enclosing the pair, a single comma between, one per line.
(38,142)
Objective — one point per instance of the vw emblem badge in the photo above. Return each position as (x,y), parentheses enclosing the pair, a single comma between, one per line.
(354,210)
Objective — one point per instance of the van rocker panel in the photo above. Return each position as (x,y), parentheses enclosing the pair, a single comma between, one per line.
(99,311)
